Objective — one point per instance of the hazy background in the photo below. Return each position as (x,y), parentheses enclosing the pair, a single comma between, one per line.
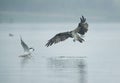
(59,10)
(39,20)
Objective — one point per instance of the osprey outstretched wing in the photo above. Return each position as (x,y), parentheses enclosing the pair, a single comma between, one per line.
(59,37)
(81,29)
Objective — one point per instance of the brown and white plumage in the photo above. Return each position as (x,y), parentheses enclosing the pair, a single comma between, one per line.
(76,33)
(59,37)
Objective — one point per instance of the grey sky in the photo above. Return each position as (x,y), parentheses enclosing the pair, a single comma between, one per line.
(60,10)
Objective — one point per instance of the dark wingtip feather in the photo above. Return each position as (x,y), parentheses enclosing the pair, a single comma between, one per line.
(50,42)
(47,44)
(83,19)
(21,39)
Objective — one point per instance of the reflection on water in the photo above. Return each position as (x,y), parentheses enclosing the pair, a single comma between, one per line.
(25,60)
(69,65)
(83,71)
(63,69)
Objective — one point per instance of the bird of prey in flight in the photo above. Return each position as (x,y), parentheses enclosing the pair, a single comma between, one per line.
(76,34)
(27,50)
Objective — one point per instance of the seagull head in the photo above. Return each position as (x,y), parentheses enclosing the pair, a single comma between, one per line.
(31,49)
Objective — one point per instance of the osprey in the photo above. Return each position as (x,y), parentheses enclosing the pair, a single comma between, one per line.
(76,33)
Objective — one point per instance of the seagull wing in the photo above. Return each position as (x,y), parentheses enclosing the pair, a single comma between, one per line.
(25,47)
(59,37)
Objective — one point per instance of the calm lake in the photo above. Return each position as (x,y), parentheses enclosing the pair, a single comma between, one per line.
(94,61)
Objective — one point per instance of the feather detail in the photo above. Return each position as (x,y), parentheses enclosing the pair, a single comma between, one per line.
(59,37)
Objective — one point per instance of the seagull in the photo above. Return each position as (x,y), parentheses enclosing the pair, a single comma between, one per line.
(76,34)
(11,35)
(27,50)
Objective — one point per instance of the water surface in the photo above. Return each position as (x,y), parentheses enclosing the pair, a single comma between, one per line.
(60,63)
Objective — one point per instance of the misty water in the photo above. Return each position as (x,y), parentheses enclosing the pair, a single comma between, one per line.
(94,61)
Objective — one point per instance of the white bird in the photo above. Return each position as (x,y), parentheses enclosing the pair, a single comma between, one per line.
(27,50)
(77,34)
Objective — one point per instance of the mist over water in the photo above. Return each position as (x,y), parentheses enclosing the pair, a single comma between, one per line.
(93,61)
